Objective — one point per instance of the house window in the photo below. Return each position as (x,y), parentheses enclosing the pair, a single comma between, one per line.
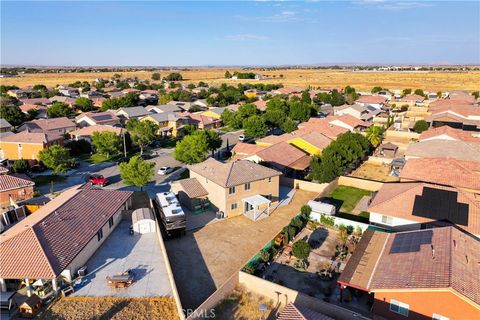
(110,222)
(100,234)
(387,220)
(269,197)
(247,186)
(234,206)
(231,190)
(399,307)
(439,317)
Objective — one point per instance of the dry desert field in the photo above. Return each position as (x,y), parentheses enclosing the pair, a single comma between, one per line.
(325,78)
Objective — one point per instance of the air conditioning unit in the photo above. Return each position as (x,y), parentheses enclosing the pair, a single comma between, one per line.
(82,272)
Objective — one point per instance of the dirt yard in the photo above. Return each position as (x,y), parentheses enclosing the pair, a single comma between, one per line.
(289,77)
(375,172)
(203,260)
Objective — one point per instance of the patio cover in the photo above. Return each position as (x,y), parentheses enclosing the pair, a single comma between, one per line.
(256,200)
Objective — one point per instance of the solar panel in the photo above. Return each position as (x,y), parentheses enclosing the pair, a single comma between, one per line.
(411,241)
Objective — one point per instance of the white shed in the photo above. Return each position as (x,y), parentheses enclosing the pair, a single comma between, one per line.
(143,221)
(319,208)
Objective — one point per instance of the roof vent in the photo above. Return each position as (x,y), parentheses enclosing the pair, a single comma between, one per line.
(466,258)
(454,243)
(433,252)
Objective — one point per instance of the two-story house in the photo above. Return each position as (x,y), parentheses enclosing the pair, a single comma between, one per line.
(170,123)
(27,145)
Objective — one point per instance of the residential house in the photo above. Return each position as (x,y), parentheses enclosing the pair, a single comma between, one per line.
(91,94)
(378,102)
(217,112)
(41,110)
(460,150)
(261,105)
(287,90)
(60,126)
(86,133)
(348,122)
(284,157)
(423,274)
(311,142)
(5,126)
(69,92)
(443,171)
(191,194)
(296,311)
(449,133)
(164,108)
(169,123)
(466,117)
(132,113)
(67,100)
(15,187)
(40,101)
(21,93)
(27,145)
(412,99)
(364,113)
(323,126)
(60,237)
(202,122)
(97,118)
(238,187)
(419,205)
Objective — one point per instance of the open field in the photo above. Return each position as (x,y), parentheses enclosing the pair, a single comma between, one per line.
(326,78)
(112,308)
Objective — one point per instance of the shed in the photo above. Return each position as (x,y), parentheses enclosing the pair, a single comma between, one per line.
(388,150)
(143,221)
(319,208)
(31,307)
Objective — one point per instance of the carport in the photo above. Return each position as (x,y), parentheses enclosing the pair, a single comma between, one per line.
(255,206)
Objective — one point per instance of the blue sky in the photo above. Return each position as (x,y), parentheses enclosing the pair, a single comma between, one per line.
(185,33)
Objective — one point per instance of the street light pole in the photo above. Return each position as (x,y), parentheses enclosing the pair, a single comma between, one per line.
(124,144)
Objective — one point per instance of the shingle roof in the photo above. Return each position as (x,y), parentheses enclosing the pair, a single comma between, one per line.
(164,108)
(4,124)
(450,172)
(133,112)
(17,181)
(99,117)
(49,124)
(456,134)
(32,137)
(299,312)
(193,188)
(467,151)
(43,244)
(164,116)
(423,202)
(232,173)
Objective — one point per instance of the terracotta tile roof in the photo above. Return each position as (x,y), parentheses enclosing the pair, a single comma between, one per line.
(430,259)
(43,244)
(299,312)
(193,188)
(196,119)
(15,181)
(232,173)
(455,134)
(88,131)
(461,110)
(460,150)
(49,124)
(247,149)
(32,137)
(349,120)
(449,103)
(450,172)
(371,99)
(3,170)
(26,107)
(288,90)
(282,155)
(36,101)
(316,139)
(4,124)
(413,97)
(322,126)
(99,117)
(273,139)
(423,202)
(261,105)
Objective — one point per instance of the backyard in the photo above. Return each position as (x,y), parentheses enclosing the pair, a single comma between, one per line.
(376,172)
(346,199)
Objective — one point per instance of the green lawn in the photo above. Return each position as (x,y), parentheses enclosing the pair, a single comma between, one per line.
(227,129)
(98,158)
(48,179)
(347,197)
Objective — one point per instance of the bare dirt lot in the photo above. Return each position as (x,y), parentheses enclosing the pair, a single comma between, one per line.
(374,172)
(326,78)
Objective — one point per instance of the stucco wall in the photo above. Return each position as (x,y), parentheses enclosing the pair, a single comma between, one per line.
(323,188)
(402,134)
(360,183)
(10,150)
(397,223)
(216,193)
(422,305)
(16,194)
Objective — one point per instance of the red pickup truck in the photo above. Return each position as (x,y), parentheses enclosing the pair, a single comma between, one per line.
(98,180)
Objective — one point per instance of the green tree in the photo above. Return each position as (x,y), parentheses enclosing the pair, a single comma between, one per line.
(12,114)
(274,118)
(420,126)
(58,110)
(174,76)
(476,94)
(20,166)
(301,249)
(213,140)
(337,98)
(56,158)
(406,92)
(419,92)
(255,127)
(299,111)
(376,89)
(84,104)
(32,113)
(191,149)
(288,125)
(156,76)
(142,133)
(136,172)
(228,75)
(107,143)
(374,135)
(164,99)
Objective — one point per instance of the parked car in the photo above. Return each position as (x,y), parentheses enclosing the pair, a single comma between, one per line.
(98,180)
(165,170)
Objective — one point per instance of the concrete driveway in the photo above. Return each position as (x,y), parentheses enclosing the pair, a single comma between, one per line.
(203,260)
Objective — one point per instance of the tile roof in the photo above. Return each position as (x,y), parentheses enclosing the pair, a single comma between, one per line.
(32,137)
(273,139)
(456,134)
(247,149)
(193,188)
(371,99)
(322,126)
(49,124)
(315,139)
(196,119)
(99,117)
(460,150)
(232,173)
(299,312)
(282,155)
(412,97)
(164,116)
(423,202)
(36,101)
(4,124)
(349,120)
(444,171)
(261,105)
(43,244)
(88,131)
(26,107)
(449,103)
(3,170)
(430,259)
(462,110)
(288,90)
(15,181)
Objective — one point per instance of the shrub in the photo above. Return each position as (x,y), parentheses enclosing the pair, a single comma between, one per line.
(420,126)
(301,249)
(305,212)
(20,166)
(404,107)
(296,222)
(264,255)
(289,232)
(358,231)
(248,268)
(327,221)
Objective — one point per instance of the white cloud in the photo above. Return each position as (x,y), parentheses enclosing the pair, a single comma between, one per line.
(246,37)
(394,5)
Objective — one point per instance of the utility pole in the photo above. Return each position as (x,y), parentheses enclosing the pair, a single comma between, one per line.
(124,144)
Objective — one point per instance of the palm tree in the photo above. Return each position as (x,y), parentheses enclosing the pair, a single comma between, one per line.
(374,135)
